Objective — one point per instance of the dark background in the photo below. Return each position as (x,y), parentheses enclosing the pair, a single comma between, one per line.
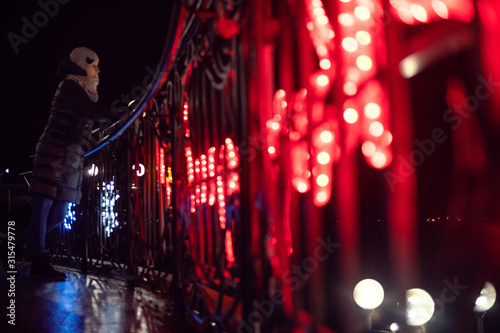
(128,37)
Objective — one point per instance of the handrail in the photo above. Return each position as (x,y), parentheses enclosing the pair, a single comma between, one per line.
(160,77)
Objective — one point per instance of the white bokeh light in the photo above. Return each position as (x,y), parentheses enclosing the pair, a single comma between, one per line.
(486,298)
(368,294)
(419,307)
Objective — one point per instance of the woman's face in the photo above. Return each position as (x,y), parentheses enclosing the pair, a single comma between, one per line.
(93,69)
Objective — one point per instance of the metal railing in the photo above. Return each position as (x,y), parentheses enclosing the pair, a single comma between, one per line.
(135,221)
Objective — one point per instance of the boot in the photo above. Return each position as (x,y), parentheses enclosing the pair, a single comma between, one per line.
(42,270)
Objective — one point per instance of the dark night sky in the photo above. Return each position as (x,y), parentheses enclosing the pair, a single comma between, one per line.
(127,35)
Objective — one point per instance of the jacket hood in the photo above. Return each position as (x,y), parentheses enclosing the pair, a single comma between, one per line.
(66,67)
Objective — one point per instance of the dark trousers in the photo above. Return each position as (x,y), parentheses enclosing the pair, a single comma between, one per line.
(47,214)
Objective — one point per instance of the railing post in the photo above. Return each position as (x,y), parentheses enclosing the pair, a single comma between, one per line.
(131,269)
(85,244)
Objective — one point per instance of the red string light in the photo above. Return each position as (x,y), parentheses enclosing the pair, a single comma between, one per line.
(229,249)
(425,11)
(161,163)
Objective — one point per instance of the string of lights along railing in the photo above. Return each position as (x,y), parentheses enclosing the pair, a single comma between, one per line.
(313,129)
(425,11)
(70,217)
(212,179)
(108,206)
(109,213)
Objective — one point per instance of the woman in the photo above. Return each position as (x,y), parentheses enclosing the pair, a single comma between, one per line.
(58,165)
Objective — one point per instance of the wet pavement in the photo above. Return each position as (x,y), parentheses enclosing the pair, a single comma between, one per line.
(81,303)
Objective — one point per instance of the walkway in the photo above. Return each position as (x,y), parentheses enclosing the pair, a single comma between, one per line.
(82,303)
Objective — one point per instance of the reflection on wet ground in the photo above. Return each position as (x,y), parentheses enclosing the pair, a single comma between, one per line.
(82,303)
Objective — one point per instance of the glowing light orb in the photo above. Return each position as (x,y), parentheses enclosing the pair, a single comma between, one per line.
(326,136)
(368,148)
(302,187)
(322,51)
(363,37)
(349,44)
(486,298)
(351,115)
(322,180)
(321,197)
(325,64)
(362,13)
(418,12)
(410,66)
(322,19)
(317,3)
(322,80)
(350,89)
(379,160)
(280,93)
(323,158)
(372,110)
(319,11)
(368,294)
(405,15)
(387,137)
(364,63)
(419,307)
(346,19)
(376,129)
(440,9)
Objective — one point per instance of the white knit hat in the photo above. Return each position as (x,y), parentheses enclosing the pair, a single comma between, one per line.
(83,57)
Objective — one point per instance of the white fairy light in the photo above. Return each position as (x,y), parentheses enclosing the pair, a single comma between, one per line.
(109,216)
(70,217)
